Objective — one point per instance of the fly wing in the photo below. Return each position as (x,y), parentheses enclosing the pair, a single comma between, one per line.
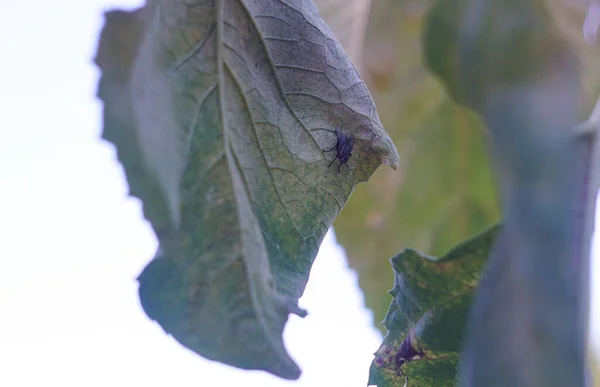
(345,146)
(350,144)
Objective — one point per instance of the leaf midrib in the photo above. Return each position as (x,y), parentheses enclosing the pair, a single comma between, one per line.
(257,307)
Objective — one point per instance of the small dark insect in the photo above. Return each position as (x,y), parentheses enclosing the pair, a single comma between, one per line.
(392,359)
(406,354)
(343,148)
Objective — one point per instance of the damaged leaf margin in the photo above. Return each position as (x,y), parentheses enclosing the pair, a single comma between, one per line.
(426,318)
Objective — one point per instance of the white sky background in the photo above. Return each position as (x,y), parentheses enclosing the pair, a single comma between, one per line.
(73,242)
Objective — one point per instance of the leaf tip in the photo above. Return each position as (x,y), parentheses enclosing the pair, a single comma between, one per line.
(383,145)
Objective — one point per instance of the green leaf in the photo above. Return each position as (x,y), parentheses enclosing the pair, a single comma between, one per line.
(220,112)
(440,45)
(427,317)
(445,189)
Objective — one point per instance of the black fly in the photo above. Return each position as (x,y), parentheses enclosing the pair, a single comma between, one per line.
(392,359)
(343,148)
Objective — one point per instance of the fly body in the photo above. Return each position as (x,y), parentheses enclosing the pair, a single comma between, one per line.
(343,147)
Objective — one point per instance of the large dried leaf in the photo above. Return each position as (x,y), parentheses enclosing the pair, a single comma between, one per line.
(221,111)
(445,191)
(427,318)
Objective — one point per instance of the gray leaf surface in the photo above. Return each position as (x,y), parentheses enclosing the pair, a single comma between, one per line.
(221,111)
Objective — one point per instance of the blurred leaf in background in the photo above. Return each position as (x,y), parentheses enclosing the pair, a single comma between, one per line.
(444,190)
(595,368)
(348,20)
(569,16)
